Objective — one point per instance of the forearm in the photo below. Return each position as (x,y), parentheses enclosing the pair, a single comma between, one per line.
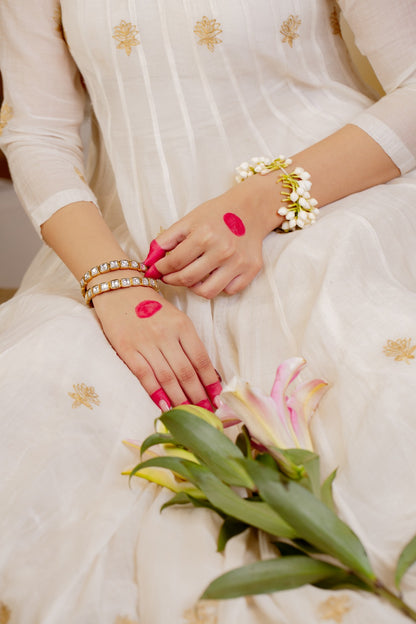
(81,238)
(346,162)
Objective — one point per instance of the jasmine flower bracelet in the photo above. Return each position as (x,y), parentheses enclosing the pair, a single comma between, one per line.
(299,209)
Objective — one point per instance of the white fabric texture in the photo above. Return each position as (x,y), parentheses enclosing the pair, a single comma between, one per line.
(172,117)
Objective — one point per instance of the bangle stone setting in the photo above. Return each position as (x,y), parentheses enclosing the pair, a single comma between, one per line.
(107,267)
(116,284)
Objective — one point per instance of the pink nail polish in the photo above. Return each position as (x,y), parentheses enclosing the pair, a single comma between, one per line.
(185,403)
(155,253)
(153,272)
(213,390)
(205,404)
(160,396)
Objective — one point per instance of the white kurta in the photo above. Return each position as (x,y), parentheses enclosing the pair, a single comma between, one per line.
(182,93)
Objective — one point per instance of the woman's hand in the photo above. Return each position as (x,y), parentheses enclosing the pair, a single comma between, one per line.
(160,346)
(218,246)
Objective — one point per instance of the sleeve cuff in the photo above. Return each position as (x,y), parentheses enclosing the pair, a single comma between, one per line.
(51,205)
(387,139)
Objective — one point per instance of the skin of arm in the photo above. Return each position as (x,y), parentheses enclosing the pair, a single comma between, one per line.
(162,350)
(207,258)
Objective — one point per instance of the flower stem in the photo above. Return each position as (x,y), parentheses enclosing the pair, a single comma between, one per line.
(394,600)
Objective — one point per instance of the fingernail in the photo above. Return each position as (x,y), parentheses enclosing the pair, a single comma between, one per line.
(155,253)
(217,401)
(205,404)
(185,403)
(164,406)
(213,390)
(153,272)
(159,397)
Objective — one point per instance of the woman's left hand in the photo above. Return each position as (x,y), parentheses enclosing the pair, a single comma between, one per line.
(218,246)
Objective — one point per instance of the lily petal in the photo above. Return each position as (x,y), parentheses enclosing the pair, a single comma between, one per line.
(285,374)
(256,411)
(302,404)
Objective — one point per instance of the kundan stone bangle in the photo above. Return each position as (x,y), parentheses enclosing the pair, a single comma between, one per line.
(116,284)
(107,267)
(299,209)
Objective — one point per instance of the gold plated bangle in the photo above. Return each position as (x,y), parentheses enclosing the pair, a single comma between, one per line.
(116,284)
(107,267)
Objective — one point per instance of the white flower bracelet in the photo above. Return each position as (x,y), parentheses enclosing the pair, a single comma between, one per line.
(299,209)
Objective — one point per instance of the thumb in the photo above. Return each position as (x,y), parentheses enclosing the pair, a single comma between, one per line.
(166,241)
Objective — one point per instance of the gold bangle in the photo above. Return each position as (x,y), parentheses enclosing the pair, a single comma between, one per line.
(116,284)
(107,267)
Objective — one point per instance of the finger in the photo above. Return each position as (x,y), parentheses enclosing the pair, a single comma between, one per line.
(169,239)
(141,368)
(165,373)
(216,282)
(156,252)
(241,281)
(192,274)
(200,360)
(186,376)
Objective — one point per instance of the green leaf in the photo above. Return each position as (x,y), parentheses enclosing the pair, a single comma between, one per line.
(181,498)
(256,514)
(326,491)
(156,438)
(310,461)
(210,446)
(230,528)
(175,464)
(311,519)
(406,559)
(342,579)
(271,575)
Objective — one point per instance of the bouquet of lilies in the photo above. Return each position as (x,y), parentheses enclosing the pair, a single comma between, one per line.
(269,479)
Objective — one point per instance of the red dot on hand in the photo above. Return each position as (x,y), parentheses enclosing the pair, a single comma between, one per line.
(234,223)
(147,308)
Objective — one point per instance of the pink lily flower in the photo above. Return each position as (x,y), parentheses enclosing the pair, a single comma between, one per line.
(280,420)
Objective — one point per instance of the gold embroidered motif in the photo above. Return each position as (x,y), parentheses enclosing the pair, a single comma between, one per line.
(79,174)
(124,620)
(334,21)
(126,34)
(335,608)
(204,612)
(208,30)
(5,614)
(84,395)
(6,113)
(401,349)
(289,29)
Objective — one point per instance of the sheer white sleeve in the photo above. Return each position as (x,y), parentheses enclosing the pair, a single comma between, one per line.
(385,31)
(42,110)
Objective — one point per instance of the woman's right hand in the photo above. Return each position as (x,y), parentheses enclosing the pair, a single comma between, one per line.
(160,346)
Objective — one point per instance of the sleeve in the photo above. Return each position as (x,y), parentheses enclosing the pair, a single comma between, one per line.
(385,32)
(42,110)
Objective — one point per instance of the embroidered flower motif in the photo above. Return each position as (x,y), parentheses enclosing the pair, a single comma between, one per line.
(208,30)
(126,34)
(334,21)
(6,113)
(84,395)
(5,614)
(289,29)
(204,612)
(124,620)
(401,349)
(79,174)
(335,608)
